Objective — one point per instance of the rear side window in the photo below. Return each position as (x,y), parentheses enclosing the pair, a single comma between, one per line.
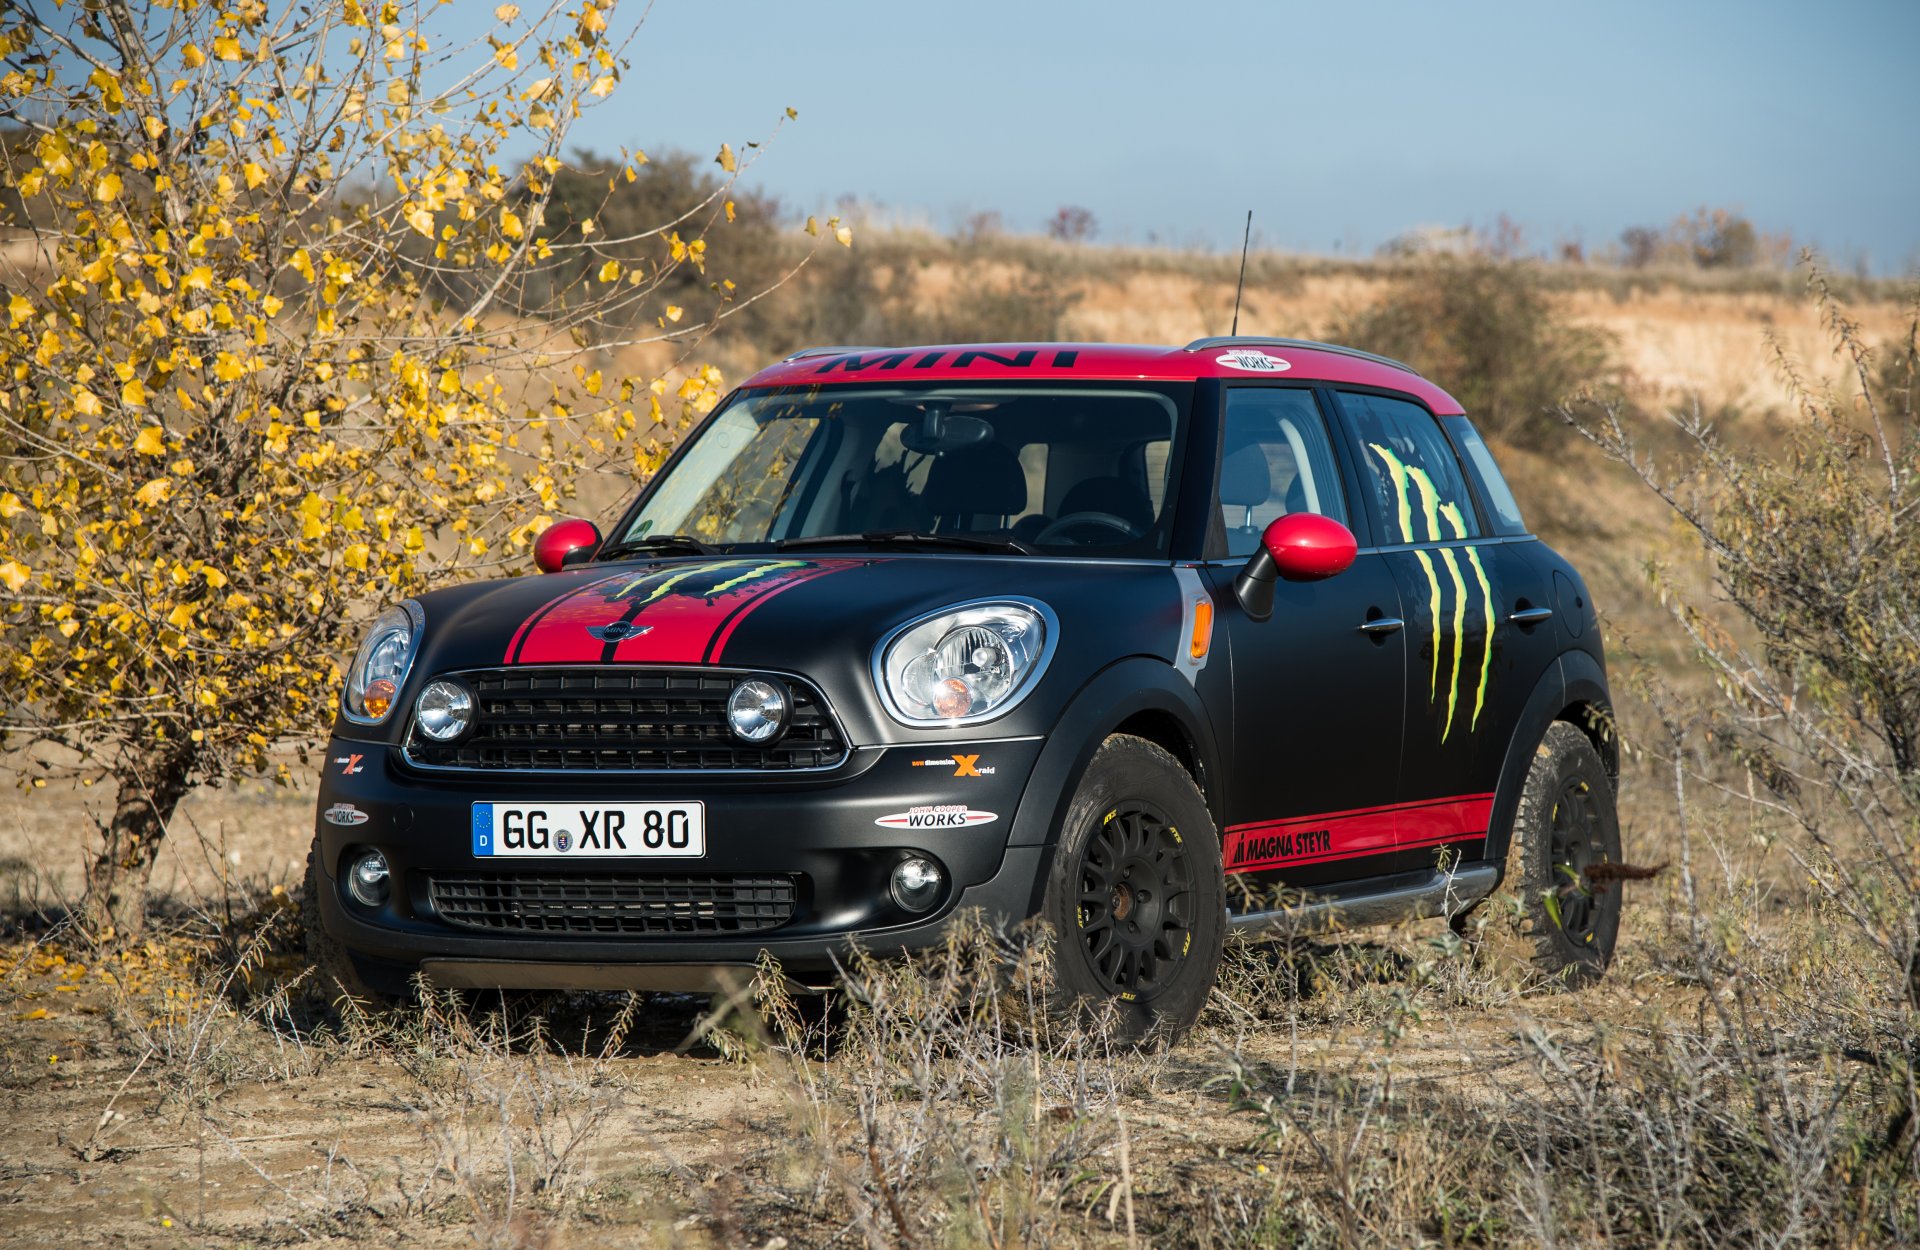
(1419,494)
(1276,459)
(1493,487)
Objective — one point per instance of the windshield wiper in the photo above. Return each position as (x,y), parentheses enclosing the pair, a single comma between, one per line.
(911,538)
(657,542)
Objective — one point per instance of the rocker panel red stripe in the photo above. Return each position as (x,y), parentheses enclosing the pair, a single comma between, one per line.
(1316,839)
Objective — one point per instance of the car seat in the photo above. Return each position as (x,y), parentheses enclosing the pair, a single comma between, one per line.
(983,480)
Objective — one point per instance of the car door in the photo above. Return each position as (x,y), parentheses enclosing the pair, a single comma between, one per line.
(1455,580)
(1317,700)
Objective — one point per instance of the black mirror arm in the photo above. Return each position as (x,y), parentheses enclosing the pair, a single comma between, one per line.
(1253,585)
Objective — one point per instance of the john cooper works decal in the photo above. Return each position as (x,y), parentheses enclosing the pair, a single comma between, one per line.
(344,814)
(1249,361)
(1410,481)
(940,816)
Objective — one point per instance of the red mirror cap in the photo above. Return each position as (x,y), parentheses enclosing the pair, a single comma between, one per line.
(1308,547)
(562,539)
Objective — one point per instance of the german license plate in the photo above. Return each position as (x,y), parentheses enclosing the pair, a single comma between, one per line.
(592,831)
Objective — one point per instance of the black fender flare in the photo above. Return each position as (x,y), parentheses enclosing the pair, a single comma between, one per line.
(1111,697)
(1575,678)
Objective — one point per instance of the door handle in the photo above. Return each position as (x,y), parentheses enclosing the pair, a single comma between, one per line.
(1531,616)
(1381,626)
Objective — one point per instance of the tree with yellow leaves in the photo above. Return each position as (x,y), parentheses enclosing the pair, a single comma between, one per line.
(285,334)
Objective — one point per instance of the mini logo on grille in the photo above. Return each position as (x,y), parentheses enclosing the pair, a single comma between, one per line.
(618,631)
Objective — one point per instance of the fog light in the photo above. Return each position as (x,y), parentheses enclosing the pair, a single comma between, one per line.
(757,711)
(444,710)
(368,880)
(916,883)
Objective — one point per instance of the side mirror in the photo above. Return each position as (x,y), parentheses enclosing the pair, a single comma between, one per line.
(565,542)
(1301,547)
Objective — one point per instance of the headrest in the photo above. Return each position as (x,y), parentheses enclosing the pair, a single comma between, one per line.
(984,480)
(1244,482)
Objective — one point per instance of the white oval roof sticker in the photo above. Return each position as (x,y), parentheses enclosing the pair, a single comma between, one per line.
(1250,360)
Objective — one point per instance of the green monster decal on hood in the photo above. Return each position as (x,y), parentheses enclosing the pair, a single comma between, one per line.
(1410,481)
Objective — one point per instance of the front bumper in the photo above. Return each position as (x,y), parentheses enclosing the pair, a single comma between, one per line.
(821,830)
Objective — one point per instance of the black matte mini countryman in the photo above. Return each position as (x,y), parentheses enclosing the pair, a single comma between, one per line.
(1079,631)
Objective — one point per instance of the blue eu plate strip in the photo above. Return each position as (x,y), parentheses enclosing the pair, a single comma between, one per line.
(483,828)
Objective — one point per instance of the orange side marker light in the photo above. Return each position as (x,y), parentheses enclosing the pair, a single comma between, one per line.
(1202,629)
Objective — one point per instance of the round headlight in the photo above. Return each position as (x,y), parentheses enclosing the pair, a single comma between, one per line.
(444,710)
(968,663)
(757,711)
(380,667)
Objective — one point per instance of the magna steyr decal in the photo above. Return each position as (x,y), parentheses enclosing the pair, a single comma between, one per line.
(1266,848)
(1409,480)
(940,816)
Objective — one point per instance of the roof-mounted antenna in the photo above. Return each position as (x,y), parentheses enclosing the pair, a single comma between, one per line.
(1245,239)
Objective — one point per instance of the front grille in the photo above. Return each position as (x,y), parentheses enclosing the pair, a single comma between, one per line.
(614,904)
(623,720)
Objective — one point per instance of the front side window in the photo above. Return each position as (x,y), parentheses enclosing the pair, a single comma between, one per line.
(1063,470)
(1418,492)
(1275,459)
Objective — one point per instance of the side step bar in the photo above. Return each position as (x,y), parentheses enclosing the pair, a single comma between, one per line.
(1442,894)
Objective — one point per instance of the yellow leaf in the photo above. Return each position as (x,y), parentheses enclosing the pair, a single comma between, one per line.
(675,312)
(273,304)
(813,226)
(181,616)
(254,174)
(86,403)
(603,86)
(152,442)
(510,224)
(397,91)
(592,20)
(154,492)
(14,574)
(845,235)
(729,210)
(134,393)
(725,159)
(19,309)
(10,506)
(107,189)
(227,48)
(506,13)
(355,557)
(610,271)
(506,56)
(193,56)
(302,264)
(200,279)
(421,219)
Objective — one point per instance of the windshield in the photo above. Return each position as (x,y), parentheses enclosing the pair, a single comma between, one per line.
(1056,469)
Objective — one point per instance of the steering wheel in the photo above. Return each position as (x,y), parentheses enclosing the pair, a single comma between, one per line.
(1078,520)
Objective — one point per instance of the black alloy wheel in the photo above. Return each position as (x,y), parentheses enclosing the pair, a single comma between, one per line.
(1136,900)
(1135,893)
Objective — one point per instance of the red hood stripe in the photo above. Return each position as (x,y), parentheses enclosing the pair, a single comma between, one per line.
(684,613)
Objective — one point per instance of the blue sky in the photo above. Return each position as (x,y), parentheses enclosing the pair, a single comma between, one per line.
(1339,124)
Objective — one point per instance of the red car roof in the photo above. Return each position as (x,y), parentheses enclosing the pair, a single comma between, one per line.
(1207,358)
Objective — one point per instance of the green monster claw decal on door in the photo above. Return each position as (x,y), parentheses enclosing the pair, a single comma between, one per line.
(1410,481)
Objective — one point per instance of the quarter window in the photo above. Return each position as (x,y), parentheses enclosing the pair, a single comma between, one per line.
(1276,459)
(1418,492)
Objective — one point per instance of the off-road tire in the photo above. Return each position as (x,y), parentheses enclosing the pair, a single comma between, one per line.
(335,980)
(1137,817)
(1566,820)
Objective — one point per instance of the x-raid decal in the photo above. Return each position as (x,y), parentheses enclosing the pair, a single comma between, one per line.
(1410,481)
(675,614)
